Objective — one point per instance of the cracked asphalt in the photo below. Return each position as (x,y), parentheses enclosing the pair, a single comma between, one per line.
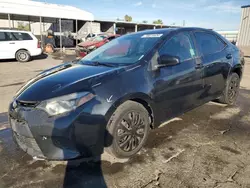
(206,147)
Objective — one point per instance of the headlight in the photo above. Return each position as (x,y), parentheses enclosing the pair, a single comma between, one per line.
(66,103)
(91,47)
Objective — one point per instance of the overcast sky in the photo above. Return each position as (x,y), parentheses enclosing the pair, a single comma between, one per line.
(214,14)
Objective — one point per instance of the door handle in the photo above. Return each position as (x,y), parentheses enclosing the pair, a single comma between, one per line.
(11,43)
(199,66)
(229,56)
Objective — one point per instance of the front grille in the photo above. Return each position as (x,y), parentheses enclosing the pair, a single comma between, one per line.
(27,103)
(29,145)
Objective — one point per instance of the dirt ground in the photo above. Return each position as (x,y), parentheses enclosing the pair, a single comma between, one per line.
(206,147)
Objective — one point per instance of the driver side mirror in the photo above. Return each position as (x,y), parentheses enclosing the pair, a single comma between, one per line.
(167,60)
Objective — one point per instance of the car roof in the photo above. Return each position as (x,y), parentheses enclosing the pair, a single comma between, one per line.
(14,30)
(167,30)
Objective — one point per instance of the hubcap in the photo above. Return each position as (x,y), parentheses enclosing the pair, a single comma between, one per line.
(22,56)
(233,89)
(131,131)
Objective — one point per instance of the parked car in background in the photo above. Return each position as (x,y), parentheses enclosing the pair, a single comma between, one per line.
(83,48)
(113,97)
(92,35)
(21,45)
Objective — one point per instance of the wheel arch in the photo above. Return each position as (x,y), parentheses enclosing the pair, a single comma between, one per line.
(141,98)
(21,49)
(237,69)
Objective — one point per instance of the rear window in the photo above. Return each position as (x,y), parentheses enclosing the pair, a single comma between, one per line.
(209,43)
(22,36)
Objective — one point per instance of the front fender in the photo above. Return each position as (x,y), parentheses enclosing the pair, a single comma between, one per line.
(132,96)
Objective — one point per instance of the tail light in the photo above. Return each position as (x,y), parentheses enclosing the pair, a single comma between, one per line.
(38,44)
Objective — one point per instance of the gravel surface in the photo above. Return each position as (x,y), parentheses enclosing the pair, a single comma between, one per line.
(206,147)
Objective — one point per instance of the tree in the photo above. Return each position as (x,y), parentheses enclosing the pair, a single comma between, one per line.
(144,21)
(23,26)
(159,21)
(128,18)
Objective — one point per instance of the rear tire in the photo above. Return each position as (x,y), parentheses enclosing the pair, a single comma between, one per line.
(22,56)
(231,91)
(128,130)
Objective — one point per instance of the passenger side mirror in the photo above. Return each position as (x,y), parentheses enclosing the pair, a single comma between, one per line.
(167,60)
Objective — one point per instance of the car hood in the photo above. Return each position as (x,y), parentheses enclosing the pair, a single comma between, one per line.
(87,43)
(62,80)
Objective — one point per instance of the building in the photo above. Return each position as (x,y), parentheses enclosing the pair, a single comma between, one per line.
(244,32)
(232,36)
(40,17)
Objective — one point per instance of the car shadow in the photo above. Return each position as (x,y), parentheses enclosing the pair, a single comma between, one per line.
(86,172)
(42,56)
(85,175)
(39,57)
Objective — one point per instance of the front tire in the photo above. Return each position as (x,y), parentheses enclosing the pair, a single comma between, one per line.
(128,129)
(231,91)
(22,56)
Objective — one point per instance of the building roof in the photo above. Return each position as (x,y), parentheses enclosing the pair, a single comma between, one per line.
(131,23)
(33,8)
(245,6)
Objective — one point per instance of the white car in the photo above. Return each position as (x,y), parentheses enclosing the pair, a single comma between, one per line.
(21,45)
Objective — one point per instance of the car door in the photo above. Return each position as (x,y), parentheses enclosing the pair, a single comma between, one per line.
(6,45)
(177,87)
(216,60)
(23,41)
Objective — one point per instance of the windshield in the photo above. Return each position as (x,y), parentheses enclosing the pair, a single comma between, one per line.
(99,38)
(124,50)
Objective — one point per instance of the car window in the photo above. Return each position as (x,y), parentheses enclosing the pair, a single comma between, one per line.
(9,36)
(99,38)
(221,44)
(90,35)
(2,36)
(120,49)
(111,38)
(22,36)
(208,43)
(6,36)
(180,45)
(125,50)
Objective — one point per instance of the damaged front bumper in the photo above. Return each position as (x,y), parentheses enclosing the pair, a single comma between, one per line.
(76,134)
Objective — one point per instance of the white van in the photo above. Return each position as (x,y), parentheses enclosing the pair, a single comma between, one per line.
(21,45)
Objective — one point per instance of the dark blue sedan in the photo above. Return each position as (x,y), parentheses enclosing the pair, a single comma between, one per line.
(111,98)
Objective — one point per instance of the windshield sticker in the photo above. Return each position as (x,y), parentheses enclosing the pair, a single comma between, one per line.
(152,36)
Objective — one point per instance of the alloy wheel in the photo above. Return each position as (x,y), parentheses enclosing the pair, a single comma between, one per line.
(131,131)
(233,89)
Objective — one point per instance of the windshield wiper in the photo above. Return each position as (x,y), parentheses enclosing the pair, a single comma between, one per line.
(97,63)
(76,61)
